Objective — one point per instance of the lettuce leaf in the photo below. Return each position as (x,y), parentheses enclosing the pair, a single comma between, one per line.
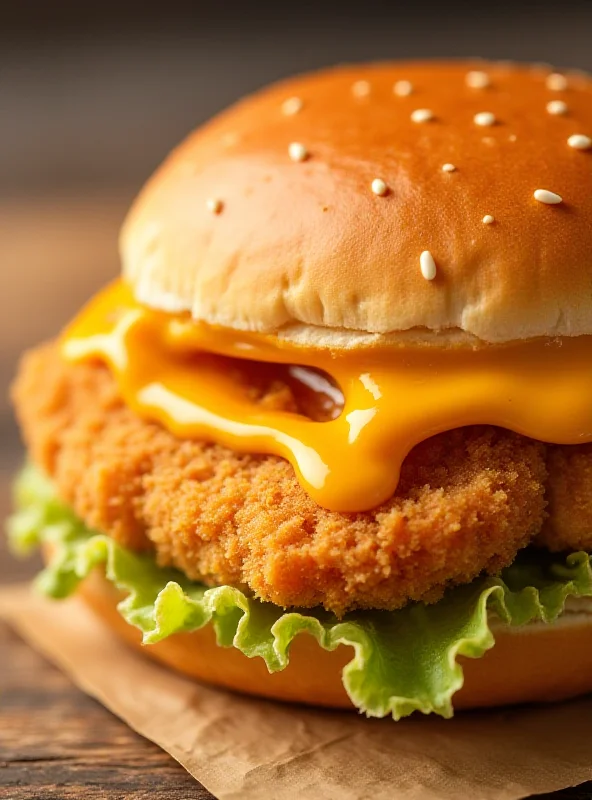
(403,661)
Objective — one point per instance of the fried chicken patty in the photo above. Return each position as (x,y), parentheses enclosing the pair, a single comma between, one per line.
(568,525)
(467,500)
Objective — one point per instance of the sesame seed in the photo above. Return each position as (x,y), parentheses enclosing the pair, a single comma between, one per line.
(477,79)
(291,106)
(448,168)
(484,119)
(556,82)
(403,88)
(422,115)
(361,88)
(297,151)
(427,265)
(214,204)
(230,139)
(488,219)
(557,107)
(580,142)
(379,187)
(547,197)
(150,235)
(512,137)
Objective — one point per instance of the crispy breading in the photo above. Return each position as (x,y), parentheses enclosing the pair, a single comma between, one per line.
(467,501)
(569,494)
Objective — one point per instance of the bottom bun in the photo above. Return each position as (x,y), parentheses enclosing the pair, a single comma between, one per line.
(538,662)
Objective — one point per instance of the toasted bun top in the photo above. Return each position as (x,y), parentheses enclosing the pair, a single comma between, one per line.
(267,218)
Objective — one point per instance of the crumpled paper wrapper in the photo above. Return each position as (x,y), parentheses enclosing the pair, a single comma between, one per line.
(251,749)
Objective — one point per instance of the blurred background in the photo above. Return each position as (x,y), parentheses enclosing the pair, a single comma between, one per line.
(93,95)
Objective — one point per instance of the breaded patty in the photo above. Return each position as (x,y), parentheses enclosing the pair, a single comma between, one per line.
(569,493)
(467,501)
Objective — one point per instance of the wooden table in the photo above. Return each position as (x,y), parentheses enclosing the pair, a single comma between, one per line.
(55,742)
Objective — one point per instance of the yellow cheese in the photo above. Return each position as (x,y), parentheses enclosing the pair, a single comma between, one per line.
(168,369)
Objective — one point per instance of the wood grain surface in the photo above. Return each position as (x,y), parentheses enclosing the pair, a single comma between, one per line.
(55,742)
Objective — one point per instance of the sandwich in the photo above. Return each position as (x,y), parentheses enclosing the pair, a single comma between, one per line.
(329,437)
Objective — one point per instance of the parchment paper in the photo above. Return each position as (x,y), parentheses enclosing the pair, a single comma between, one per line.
(247,749)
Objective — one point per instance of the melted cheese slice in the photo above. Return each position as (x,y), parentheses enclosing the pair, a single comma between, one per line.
(394,396)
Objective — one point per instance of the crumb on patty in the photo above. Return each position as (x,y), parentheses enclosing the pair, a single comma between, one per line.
(467,501)
(568,525)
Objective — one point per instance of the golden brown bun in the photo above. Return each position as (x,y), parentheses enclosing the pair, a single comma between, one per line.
(308,243)
(538,663)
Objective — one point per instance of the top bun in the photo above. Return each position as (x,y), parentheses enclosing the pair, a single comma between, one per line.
(306,207)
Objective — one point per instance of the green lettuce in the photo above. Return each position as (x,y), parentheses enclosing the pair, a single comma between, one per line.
(403,661)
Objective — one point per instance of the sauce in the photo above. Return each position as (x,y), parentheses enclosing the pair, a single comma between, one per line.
(391,397)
